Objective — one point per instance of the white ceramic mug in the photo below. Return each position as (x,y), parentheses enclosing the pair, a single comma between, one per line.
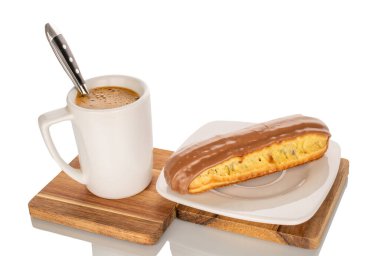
(115,145)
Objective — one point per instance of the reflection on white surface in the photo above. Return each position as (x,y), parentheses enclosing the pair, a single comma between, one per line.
(184,239)
(194,240)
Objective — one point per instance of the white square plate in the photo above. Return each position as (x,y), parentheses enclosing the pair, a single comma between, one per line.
(289,197)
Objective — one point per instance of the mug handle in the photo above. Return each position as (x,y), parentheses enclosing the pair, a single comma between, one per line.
(45,121)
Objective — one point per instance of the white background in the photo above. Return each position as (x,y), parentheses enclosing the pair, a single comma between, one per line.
(204,61)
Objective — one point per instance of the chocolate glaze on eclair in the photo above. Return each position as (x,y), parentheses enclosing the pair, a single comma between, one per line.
(187,163)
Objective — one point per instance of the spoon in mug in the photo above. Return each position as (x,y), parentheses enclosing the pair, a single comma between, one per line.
(66,58)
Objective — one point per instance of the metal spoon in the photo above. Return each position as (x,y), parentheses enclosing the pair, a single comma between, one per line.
(65,57)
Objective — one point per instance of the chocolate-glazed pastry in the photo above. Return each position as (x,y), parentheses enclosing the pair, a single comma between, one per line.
(251,152)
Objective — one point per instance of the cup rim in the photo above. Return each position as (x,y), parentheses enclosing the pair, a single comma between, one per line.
(72,94)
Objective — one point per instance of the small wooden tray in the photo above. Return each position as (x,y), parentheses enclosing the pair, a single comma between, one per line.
(142,218)
(306,235)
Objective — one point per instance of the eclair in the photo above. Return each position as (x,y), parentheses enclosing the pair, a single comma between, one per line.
(254,151)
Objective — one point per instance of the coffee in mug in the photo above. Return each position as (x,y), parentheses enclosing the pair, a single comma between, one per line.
(106,97)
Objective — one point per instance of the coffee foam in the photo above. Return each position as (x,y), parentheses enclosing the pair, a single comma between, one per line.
(106,97)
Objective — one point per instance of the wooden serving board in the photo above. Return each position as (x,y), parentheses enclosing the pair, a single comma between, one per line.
(306,235)
(142,218)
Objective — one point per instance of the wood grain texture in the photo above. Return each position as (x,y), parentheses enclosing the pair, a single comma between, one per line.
(306,235)
(142,218)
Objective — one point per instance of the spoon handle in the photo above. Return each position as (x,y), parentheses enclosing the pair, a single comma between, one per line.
(65,57)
